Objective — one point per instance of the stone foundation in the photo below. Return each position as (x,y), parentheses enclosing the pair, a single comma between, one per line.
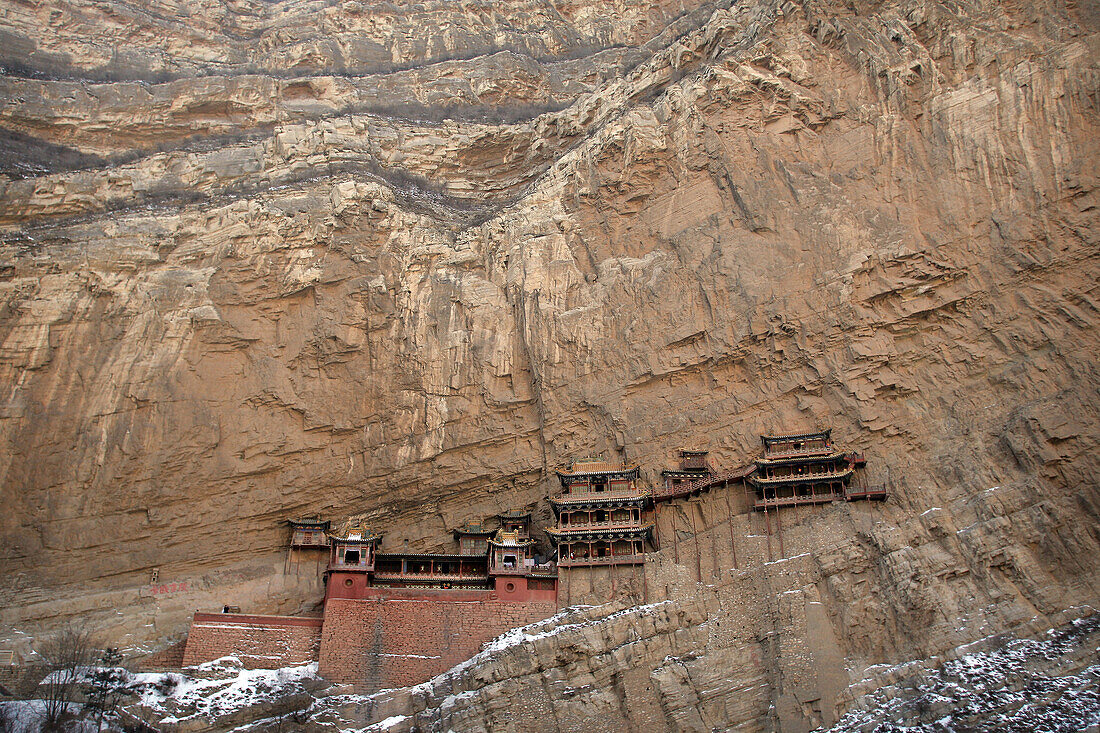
(403,637)
(258,641)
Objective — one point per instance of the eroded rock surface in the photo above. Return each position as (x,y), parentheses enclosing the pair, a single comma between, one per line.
(268,282)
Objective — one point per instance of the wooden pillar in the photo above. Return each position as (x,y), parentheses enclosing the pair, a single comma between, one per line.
(656,525)
(675,542)
(713,553)
(729,515)
(698,555)
(768,526)
(779,525)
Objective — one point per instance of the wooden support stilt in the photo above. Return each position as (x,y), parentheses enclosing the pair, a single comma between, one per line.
(750,502)
(714,572)
(657,526)
(698,554)
(729,517)
(779,528)
(675,542)
(768,528)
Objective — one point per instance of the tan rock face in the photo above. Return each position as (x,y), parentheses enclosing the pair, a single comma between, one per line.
(256,299)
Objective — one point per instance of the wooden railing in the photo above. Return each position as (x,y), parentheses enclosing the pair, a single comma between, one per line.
(582,466)
(702,483)
(607,560)
(336,565)
(797,452)
(763,504)
(585,496)
(381,575)
(876,493)
(589,526)
(841,473)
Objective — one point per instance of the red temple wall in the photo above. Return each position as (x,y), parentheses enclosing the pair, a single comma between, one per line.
(338,586)
(405,637)
(519,589)
(258,641)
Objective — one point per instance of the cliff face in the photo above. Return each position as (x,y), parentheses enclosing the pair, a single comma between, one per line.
(248,271)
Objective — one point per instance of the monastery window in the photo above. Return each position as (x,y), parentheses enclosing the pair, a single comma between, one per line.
(509,561)
(351,557)
(601,516)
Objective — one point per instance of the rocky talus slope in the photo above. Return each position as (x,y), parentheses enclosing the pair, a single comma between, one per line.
(265,259)
(567,673)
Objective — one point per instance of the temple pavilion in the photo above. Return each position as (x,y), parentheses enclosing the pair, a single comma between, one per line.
(308,534)
(501,560)
(693,466)
(511,546)
(602,515)
(473,539)
(803,468)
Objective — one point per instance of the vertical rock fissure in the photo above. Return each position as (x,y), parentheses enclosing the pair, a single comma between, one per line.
(519,306)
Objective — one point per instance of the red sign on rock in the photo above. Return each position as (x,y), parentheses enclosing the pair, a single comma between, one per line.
(166,588)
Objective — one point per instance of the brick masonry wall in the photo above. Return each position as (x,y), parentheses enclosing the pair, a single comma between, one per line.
(170,657)
(258,641)
(387,642)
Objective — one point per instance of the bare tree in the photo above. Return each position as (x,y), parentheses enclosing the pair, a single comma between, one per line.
(9,722)
(67,657)
(106,681)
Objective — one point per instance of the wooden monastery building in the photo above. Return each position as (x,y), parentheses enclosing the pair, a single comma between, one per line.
(396,618)
(805,468)
(502,560)
(603,515)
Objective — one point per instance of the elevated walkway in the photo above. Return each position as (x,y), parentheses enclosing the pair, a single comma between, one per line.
(704,483)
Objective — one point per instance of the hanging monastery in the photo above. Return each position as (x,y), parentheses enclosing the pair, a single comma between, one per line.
(391,619)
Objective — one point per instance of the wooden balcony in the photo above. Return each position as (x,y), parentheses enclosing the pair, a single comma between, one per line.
(798,452)
(433,577)
(782,501)
(353,567)
(584,562)
(703,483)
(599,527)
(590,496)
(877,493)
(808,476)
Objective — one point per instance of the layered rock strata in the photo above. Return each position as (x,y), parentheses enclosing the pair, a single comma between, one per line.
(770,216)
